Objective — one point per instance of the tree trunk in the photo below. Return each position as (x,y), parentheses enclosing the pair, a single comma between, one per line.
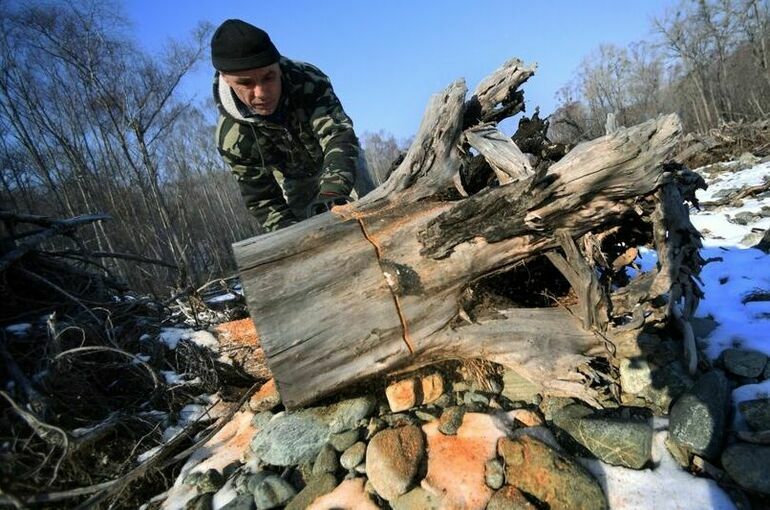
(391,282)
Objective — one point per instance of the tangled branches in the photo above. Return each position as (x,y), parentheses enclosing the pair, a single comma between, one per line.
(86,385)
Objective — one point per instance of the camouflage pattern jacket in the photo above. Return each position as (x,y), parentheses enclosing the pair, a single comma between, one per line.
(313,148)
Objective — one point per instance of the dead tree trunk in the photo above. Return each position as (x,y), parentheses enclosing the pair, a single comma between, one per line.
(391,282)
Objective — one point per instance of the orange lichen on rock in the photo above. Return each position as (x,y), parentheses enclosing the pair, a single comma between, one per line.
(456,464)
(239,341)
(240,331)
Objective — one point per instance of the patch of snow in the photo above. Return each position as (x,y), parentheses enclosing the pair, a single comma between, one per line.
(171,432)
(224,495)
(145,337)
(222,298)
(18,329)
(726,284)
(191,413)
(172,336)
(149,453)
(665,486)
(733,180)
(172,377)
(141,358)
(718,231)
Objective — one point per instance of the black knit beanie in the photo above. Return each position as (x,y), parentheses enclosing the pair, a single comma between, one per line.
(237,45)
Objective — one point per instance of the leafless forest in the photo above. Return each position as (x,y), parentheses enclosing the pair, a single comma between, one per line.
(707,61)
(91,123)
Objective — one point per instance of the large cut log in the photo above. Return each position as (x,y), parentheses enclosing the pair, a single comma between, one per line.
(385,283)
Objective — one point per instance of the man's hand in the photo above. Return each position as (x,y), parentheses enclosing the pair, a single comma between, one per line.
(324,202)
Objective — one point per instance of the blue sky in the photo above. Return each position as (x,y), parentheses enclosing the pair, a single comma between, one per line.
(385,59)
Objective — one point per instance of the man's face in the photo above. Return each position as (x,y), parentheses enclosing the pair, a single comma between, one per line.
(259,89)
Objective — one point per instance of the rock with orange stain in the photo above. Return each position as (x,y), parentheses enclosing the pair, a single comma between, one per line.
(239,341)
(526,417)
(393,459)
(456,464)
(432,388)
(556,480)
(266,398)
(402,395)
(349,495)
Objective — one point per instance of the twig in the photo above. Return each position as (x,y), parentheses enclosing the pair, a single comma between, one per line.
(114,255)
(60,291)
(43,430)
(159,461)
(98,348)
(51,497)
(57,228)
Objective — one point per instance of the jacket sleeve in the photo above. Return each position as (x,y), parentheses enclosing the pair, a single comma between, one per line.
(261,192)
(334,131)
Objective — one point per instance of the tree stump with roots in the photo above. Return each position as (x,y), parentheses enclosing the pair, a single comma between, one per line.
(420,270)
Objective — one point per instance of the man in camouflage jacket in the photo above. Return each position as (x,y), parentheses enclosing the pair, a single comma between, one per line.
(281,129)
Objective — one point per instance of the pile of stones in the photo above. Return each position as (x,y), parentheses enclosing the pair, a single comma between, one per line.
(447,439)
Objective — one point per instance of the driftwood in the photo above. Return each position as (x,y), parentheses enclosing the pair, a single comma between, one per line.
(387,283)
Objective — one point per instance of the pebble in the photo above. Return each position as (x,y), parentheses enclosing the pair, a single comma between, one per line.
(509,498)
(240,502)
(744,363)
(344,440)
(494,473)
(273,492)
(317,486)
(757,413)
(208,481)
(402,395)
(417,499)
(353,456)
(326,461)
(424,415)
(470,398)
(450,420)
(445,400)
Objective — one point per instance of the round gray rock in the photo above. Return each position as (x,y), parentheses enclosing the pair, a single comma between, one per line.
(290,439)
(326,461)
(353,456)
(273,492)
(450,420)
(757,413)
(698,419)
(744,363)
(316,487)
(749,466)
(344,440)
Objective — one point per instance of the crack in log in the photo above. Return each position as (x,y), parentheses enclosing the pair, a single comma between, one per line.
(399,310)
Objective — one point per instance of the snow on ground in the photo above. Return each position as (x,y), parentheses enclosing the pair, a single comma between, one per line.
(674,488)
(222,298)
(172,336)
(18,329)
(733,283)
